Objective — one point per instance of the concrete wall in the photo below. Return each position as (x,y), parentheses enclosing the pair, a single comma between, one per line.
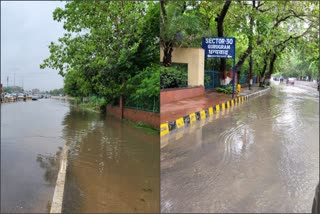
(194,57)
(171,95)
(148,118)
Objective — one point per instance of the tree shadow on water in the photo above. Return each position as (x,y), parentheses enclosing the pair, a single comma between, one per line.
(51,165)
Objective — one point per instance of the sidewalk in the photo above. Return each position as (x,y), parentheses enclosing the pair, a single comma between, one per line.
(181,108)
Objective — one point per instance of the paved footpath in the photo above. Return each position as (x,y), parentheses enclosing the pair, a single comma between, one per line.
(181,108)
(184,112)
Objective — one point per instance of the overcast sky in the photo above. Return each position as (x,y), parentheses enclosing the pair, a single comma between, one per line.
(27,28)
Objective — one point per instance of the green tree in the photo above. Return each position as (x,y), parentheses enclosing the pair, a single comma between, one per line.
(13,89)
(106,44)
(56,92)
(179,26)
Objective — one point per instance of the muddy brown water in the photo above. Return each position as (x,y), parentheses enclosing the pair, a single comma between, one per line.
(261,156)
(112,166)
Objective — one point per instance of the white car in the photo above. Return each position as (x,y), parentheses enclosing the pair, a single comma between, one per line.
(291,80)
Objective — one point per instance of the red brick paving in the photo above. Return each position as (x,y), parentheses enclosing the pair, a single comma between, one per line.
(174,110)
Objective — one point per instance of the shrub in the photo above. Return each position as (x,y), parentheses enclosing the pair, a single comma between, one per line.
(173,77)
(226,90)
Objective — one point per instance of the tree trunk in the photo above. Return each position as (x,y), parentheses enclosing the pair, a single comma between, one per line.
(167,46)
(272,61)
(243,58)
(250,45)
(167,54)
(250,70)
(271,65)
(219,21)
(261,81)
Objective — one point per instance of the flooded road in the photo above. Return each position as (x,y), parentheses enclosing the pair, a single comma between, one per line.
(31,134)
(261,156)
(112,166)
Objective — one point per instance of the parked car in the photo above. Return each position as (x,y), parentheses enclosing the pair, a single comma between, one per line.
(21,95)
(7,96)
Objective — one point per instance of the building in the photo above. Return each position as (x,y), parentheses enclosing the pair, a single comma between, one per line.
(35,91)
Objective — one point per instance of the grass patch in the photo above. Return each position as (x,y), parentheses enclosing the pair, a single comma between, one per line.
(139,125)
(90,107)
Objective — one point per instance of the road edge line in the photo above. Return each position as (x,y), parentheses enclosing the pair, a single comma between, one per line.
(57,201)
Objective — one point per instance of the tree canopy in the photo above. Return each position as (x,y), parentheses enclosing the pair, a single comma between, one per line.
(106,43)
(268,32)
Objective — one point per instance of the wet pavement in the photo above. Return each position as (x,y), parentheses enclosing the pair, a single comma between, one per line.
(175,110)
(112,166)
(261,156)
(312,84)
(31,134)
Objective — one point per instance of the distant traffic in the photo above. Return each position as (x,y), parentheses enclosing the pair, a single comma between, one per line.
(13,97)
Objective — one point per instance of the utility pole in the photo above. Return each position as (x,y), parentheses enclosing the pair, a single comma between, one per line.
(14,79)
(7,81)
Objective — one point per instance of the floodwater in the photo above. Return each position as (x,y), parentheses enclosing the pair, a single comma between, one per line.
(112,166)
(31,134)
(260,156)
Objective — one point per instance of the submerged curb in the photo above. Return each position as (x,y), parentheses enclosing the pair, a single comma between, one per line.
(166,128)
(57,201)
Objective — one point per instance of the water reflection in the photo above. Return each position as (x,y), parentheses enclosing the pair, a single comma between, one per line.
(30,137)
(260,157)
(113,167)
(51,165)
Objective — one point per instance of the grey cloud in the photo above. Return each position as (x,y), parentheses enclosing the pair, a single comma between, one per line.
(27,28)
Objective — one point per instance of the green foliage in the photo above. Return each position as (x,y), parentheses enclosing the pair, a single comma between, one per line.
(226,90)
(266,30)
(13,89)
(274,22)
(180,24)
(56,92)
(95,103)
(106,44)
(173,77)
(297,64)
(143,90)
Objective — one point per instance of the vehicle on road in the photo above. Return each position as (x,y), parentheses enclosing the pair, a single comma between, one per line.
(290,81)
(35,97)
(7,96)
(20,95)
(282,79)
